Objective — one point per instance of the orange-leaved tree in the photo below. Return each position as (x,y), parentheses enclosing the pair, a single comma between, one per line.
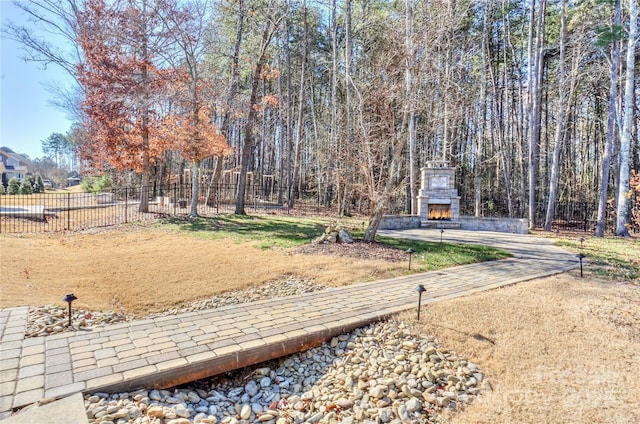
(195,136)
(122,86)
(189,127)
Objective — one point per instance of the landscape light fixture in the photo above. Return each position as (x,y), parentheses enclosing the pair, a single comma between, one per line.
(70,297)
(581,242)
(441,232)
(581,256)
(420,289)
(410,251)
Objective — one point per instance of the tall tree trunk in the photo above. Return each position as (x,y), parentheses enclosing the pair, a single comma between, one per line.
(233,88)
(282,140)
(300,122)
(346,195)
(146,162)
(144,185)
(411,130)
(249,141)
(622,209)
(289,125)
(535,114)
(479,138)
(195,189)
(560,126)
(333,137)
(611,130)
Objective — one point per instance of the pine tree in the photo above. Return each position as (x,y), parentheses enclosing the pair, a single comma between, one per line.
(38,187)
(26,186)
(14,186)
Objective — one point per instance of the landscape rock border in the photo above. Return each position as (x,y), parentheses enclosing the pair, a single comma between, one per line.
(52,319)
(381,373)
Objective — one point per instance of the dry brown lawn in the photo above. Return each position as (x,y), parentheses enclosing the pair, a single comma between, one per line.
(563,349)
(556,350)
(147,270)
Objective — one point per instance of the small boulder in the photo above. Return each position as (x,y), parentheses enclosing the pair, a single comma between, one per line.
(344,236)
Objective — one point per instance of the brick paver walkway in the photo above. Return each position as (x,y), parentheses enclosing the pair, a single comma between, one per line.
(165,351)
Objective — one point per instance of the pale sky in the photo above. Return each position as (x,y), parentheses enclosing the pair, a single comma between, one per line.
(26,116)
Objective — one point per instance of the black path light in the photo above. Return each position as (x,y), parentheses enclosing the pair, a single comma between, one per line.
(410,251)
(581,239)
(441,233)
(70,297)
(581,256)
(420,289)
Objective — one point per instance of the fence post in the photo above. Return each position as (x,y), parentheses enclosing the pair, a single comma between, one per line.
(126,204)
(68,211)
(175,197)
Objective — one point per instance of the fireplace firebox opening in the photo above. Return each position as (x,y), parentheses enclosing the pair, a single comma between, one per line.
(439,212)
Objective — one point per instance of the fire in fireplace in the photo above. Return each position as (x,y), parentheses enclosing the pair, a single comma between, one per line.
(439,212)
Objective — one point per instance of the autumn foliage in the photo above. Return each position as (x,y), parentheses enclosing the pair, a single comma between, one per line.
(634,194)
(127,93)
(195,138)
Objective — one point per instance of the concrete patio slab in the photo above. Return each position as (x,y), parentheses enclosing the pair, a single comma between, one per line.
(69,410)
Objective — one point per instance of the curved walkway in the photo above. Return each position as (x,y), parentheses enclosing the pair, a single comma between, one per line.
(170,350)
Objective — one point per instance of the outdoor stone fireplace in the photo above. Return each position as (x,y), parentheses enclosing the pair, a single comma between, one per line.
(438,201)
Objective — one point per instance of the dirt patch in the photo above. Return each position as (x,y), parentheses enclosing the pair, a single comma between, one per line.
(358,250)
(556,350)
(148,269)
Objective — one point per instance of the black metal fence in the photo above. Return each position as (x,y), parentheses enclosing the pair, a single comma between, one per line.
(53,212)
(568,216)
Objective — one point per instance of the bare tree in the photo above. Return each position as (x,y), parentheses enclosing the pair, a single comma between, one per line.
(535,105)
(345,199)
(333,135)
(272,20)
(560,122)
(611,125)
(234,87)
(622,209)
(49,38)
(414,178)
(58,17)
(301,103)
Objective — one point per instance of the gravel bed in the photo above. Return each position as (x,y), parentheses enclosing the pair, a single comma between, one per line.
(51,319)
(378,374)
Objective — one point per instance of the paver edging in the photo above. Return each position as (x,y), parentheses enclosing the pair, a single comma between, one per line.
(160,379)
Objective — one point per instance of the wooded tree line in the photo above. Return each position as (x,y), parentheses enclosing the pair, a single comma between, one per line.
(534,102)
